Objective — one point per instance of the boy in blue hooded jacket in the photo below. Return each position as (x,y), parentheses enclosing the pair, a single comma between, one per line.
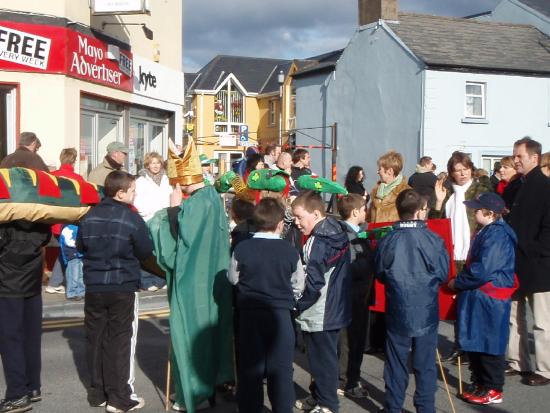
(486,285)
(411,261)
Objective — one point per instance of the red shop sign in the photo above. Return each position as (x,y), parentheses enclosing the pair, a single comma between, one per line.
(56,49)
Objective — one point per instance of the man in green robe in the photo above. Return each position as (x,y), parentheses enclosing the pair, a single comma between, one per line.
(191,240)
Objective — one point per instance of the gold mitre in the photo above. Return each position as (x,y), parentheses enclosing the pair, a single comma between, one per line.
(186,170)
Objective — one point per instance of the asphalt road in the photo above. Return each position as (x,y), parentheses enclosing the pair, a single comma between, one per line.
(64,374)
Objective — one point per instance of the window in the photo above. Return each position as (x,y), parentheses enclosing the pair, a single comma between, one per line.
(489,161)
(475,100)
(228,109)
(272,112)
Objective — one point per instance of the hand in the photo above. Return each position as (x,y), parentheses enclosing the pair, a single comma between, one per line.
(176,196)
(440,193)
(451,285)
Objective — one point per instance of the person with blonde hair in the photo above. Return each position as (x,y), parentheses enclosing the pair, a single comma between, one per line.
(152,194)
(382,207)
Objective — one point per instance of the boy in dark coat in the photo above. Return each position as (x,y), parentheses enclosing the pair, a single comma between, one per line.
(269,278)
(486,285)
(113,239)
(411,261)
(352,339)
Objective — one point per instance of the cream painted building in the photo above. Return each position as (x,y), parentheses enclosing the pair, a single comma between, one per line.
(82,80)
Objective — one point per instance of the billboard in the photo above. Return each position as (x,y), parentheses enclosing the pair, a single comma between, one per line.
(105,7)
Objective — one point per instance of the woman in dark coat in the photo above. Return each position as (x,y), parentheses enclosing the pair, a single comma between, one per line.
(354,182)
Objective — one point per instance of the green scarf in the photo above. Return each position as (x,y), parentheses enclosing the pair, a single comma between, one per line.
(385,189)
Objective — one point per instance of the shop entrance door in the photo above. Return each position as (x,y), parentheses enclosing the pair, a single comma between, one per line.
(145,136)
(7,120)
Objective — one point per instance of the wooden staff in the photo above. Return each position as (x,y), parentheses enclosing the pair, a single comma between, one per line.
(445,380)
(459,374)
(168,376)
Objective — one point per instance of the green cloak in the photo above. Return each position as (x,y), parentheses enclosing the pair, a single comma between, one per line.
(199,293)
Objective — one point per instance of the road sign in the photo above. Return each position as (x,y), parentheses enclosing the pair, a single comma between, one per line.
(243,135)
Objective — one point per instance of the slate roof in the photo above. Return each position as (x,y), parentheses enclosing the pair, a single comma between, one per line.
(188,79)
(320,63)
(471,44)
(252,72)
(542,6)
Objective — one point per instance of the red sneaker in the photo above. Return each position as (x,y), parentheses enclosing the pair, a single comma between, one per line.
(473,390)
(487,397)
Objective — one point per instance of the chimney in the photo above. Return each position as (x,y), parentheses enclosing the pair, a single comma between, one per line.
(371,11)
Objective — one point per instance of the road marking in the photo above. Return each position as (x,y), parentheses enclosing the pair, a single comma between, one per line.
(74,322)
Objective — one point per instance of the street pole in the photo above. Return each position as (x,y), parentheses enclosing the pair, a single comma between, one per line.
(334,146)
(281,81)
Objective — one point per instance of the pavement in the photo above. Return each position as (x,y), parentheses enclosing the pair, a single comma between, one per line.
(64,372)
(56,306)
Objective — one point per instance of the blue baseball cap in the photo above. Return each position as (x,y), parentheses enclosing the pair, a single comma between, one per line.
(487,200)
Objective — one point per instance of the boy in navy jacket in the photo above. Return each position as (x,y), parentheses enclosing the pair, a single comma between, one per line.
(269,277)
(113,239)
(411,262)
(486,285)
(325,306)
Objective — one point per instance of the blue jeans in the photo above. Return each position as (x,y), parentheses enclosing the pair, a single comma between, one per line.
(148,280)
(396,371)
(73,274)
(57,274)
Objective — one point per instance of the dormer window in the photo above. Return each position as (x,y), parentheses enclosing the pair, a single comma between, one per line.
(228,108)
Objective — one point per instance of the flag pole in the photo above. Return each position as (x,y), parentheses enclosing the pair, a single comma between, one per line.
(445,380)
(168,376)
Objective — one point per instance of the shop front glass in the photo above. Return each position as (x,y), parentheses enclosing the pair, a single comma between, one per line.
(7,120)
(148,133)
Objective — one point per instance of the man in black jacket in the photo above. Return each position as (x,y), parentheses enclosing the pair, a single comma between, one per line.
(26,154)
(21,245)
(530,219)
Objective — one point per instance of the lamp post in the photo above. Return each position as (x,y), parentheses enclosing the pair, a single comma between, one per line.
(281,81)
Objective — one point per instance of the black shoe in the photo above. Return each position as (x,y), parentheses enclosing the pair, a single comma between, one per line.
(22,404)
(452,355)
(464,359)
(35,396)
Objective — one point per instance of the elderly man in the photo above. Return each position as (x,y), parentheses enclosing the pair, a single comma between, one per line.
(25,155)
(530,219)
(113,161)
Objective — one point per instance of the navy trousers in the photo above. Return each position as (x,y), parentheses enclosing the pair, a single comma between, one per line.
(322,357)
(20,341)
(396,371)
(488,370)
(266,349)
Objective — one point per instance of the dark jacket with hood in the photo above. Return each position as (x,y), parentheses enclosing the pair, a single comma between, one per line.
(530,219)
(411,261)
(483,320)
(21,264)
(361,267)
(325,304)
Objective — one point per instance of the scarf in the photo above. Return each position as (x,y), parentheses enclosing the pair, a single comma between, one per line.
(456,211)
(385,189)
(112,163)
(157,179)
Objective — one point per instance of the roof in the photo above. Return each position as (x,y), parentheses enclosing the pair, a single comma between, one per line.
(320,63)
(463,43)
(189,78)
(252,72)
(542,6)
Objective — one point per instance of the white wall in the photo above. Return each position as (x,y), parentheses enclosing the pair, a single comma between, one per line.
(517,106)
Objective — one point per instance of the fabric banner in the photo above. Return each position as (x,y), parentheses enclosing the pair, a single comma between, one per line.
(447,298)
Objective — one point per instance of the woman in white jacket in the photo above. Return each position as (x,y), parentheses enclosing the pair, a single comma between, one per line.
(152,194)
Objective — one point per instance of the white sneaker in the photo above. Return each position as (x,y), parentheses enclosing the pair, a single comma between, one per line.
(203,405)
(320,409)
(55,290)
(306,404)
(112,409)
(152,288)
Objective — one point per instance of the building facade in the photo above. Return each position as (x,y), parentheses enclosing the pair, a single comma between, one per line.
(428,85)
(81,79)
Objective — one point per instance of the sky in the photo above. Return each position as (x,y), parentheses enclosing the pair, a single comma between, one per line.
(286,29)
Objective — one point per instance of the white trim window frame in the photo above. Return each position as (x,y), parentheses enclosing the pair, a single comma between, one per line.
(475,100)
(231,114)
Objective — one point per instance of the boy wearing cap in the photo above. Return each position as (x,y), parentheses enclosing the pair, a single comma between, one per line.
(486,285)
(268,275)
(113,161)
